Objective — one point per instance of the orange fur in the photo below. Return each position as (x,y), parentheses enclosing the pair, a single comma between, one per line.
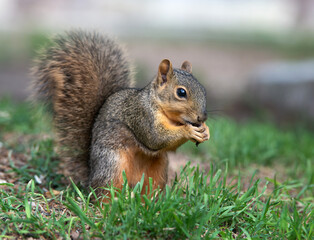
(135,162)
(168,120)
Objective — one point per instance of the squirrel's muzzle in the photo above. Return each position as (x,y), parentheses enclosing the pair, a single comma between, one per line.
(202,117)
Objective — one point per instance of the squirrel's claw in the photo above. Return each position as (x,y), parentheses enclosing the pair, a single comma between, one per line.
(199,134)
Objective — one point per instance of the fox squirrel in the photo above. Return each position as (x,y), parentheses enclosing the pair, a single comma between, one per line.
(103,125)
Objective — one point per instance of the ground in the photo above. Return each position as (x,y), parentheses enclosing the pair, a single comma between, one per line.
(251,180)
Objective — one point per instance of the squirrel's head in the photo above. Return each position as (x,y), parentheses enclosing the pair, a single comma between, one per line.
(179,95)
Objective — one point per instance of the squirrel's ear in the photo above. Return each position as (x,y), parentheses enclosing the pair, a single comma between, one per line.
(187,66)
(164,72)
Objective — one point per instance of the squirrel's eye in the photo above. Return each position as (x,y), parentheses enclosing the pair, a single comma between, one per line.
(181,93)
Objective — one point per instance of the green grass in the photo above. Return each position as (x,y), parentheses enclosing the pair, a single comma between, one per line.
(18,47)
(294,44)
(227,202)
(291,44)
(260,143)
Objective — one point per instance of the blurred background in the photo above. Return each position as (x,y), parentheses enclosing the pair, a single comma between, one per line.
(255,57)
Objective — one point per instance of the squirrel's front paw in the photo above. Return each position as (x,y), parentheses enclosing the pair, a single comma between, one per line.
(199,134)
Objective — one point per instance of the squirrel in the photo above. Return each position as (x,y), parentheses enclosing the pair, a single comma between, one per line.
(104,125)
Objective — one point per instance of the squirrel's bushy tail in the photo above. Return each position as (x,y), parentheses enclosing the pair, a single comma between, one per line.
(74,77)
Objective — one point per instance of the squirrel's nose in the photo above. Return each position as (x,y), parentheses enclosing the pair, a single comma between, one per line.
(202,117)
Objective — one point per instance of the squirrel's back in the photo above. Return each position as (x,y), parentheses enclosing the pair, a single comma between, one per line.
(74,77)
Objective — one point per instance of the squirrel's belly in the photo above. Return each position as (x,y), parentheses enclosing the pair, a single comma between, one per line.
(135,163)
